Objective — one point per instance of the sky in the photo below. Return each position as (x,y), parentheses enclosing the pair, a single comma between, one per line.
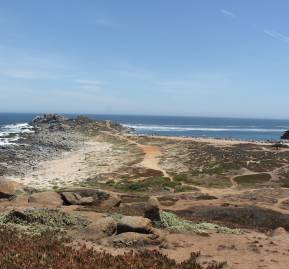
(154,57)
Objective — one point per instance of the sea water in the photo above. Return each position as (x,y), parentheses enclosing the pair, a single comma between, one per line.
(13,124)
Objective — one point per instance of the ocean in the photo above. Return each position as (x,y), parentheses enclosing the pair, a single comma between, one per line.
(13,124)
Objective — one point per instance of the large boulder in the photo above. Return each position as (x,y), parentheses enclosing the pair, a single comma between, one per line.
(47,198)
(134,224)
(72,198)
(132,239)
(106,226)
(96,197)
(152,209)
(9,188)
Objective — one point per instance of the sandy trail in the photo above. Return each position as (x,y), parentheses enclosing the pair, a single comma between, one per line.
(152,158)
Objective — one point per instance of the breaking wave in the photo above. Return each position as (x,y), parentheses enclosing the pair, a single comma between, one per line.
(167,128)
(10,133)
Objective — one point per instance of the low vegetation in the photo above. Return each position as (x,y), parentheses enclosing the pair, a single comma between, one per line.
(38,221)
(252,180)
(150,184)
(204,181)
(200,159)
(172,222)
(19,250)
(251,217)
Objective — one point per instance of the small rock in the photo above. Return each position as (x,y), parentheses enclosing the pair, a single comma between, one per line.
(72,198)
(86,201)
(131,239)
(134,224)
(279,232)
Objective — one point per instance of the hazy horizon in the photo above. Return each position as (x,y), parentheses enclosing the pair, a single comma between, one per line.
(141,115)
(198,58)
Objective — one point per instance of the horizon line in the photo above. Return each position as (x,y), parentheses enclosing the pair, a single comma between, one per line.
(147,115)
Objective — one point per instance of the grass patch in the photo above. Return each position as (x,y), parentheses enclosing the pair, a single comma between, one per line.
(213,182)
(172,222)
(198,180)
(153,184)
(252,180)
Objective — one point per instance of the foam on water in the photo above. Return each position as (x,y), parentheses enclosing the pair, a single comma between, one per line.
(10,133)
(158,128)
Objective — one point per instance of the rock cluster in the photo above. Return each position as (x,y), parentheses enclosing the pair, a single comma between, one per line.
(48,118)
(127,231)
(53,134)
(285,136)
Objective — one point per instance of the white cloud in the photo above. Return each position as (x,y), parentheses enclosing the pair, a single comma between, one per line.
(277,35)
(229,14)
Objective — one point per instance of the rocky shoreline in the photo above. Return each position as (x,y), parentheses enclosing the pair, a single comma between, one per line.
(51,136)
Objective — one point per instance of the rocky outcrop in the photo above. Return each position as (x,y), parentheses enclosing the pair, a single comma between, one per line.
(285,136)
(47,198)
(134,224)
(48,119)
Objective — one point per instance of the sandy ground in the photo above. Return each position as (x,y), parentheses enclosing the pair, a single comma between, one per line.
(74,167)
(249,251)
(152,158)
(70,168)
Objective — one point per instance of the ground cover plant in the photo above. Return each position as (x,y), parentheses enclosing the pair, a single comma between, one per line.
(54,252)
(252,180)
(39,221)
(172,222)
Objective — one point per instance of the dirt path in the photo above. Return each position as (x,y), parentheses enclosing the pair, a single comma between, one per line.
(152,158)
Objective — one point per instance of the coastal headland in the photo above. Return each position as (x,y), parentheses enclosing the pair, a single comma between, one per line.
(111,190)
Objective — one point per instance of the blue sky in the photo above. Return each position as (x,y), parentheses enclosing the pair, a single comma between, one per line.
(162,57)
